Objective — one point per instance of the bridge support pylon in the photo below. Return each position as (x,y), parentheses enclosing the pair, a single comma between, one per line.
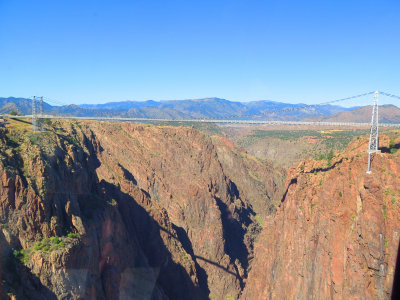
(374,133)
(34,115)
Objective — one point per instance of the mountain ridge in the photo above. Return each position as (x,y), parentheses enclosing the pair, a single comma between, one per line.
(211,107)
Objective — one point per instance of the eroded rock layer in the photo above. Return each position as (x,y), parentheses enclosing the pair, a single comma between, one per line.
(336,233)
(95,210)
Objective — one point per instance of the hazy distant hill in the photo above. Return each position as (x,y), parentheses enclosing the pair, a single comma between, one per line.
(212,108)
(176,109)
(387,114)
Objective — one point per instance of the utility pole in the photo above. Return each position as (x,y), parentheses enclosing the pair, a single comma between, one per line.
(34,116)
(373,137)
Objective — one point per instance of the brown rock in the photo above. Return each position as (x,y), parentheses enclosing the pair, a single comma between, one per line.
(336,233)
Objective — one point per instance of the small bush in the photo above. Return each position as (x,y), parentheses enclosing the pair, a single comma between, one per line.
(315,172)
(72,235)
(259,220)
(302,167)
(55,240)
(393,150)
(38,247)
(21,255)
(340,194)
(329,157)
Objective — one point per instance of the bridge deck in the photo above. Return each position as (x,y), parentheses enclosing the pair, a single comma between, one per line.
(220,121)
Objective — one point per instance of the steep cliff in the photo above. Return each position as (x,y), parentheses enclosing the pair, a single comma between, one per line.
(95,210)
(336,233)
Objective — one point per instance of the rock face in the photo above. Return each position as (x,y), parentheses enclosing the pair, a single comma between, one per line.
(95,210)
(336,233)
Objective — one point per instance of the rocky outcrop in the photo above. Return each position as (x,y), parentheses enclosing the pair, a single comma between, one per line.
(95,210)
(336,233)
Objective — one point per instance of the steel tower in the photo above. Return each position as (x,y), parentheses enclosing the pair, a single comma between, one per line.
(374,136)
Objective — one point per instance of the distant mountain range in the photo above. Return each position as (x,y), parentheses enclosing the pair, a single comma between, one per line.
(200,108)
(387,114)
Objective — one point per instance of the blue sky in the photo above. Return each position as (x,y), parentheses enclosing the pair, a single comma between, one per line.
(295,51)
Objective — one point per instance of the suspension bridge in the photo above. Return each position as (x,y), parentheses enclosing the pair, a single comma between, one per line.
(37,114)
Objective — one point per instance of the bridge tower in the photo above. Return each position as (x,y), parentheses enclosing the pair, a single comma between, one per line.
(37,116)
(34,116)
(41,125)
(373,137)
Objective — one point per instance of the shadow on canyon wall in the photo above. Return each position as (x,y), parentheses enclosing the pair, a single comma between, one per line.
(15,278)
(396,279)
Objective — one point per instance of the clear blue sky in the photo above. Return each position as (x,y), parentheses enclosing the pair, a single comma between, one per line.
(297,51)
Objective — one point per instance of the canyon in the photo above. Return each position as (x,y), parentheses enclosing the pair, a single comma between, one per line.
(102,210)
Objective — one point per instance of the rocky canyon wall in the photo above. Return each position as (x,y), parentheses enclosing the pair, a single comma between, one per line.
(95,210)
(336,233)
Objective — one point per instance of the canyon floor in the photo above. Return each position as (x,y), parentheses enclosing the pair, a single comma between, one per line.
(101,210)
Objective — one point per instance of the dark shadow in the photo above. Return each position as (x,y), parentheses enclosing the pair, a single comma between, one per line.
(234,238)
(39,120)
(172,278)
(128,175)
(17,279)
(388,149)
(233,234)
(396,279)
(77,186)
(221,267)
(328,168)
(293,181)
(187,245)
(21,121)
(204,259)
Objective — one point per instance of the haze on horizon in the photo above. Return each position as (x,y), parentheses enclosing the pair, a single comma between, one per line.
(291,51)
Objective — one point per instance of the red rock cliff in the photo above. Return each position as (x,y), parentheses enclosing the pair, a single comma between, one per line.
(95,210)
(336,233)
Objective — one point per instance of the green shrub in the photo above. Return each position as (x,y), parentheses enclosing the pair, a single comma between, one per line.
(55,240)
(329,157)
(259,220)
(38,247)
(21,255)
(72,235)
(340,194)
(393,150)
(302,167)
